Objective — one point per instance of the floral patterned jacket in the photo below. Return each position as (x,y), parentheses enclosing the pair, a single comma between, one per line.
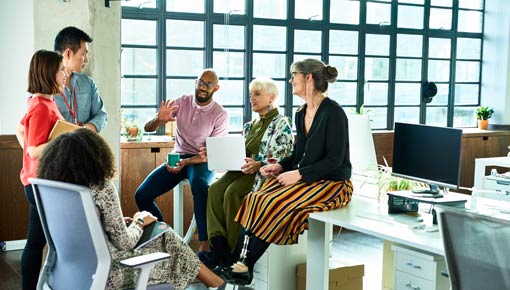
(277,143)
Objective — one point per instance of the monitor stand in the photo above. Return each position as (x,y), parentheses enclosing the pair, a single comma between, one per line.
(433,189)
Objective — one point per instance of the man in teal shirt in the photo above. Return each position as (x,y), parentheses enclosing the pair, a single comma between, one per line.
(79,102)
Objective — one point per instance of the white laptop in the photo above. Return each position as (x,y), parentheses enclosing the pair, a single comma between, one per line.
(225,152)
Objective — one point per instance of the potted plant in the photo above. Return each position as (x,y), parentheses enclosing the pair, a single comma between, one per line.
(363,111)
(132,131)
(129,127)
(483,114)
(388,182)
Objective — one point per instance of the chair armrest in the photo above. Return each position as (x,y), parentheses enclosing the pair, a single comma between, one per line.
(138,261)
(145,263)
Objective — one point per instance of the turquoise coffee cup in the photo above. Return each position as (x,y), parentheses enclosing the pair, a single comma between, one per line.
(172,158)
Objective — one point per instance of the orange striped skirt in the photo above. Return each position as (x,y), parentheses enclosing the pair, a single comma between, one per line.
(279,214)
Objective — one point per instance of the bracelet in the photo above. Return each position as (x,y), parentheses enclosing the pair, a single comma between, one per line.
(139,221)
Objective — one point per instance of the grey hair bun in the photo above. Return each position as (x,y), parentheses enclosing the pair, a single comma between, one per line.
(330,73)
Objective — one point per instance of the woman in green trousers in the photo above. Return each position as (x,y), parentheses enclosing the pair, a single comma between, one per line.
(268,138)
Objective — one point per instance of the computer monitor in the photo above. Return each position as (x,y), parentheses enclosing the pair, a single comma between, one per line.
(361,145)
(427,154)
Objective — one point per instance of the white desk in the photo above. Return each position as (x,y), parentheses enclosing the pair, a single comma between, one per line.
(367,216)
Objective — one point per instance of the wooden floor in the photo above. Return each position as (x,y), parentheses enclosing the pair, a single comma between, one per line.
(357,248)
(347,246)
(10,275)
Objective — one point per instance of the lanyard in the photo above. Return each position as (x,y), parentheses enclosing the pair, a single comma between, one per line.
(75,111)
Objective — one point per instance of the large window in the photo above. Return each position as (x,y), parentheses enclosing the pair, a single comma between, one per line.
(384,51)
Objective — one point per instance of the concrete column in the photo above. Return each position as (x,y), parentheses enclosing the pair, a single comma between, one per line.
(103,25)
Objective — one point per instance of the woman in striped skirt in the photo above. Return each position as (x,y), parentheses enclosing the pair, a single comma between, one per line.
(315,177)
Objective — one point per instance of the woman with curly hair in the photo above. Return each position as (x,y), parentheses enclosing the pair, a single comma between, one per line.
(84,158)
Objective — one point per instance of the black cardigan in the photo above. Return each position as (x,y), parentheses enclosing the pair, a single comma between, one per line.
(324,152)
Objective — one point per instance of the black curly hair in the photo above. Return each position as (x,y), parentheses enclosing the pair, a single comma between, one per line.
(70,37)
(80,157)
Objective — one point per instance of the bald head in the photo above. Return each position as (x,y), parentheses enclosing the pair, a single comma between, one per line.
(206,86)
(210,74)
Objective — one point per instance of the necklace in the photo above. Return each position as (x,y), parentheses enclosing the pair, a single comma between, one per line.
(309,116)
(313,109)
(310,112)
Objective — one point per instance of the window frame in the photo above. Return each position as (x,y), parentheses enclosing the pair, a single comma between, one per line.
(160,15)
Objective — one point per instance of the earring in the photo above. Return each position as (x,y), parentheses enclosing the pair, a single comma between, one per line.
(270,106)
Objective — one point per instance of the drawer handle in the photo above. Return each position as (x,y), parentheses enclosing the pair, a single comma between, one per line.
(412,265)
(410,286)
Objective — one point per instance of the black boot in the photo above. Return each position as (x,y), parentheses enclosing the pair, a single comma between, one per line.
(220,251)
(225,272)
(235,278)
(236,254)
(207,259)
(254,249)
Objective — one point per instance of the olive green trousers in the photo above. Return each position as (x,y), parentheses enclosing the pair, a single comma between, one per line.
(223,202)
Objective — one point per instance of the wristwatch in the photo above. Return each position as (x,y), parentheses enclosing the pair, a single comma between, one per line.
(139,221)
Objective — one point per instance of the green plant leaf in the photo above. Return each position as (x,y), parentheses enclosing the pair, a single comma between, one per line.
(484,113)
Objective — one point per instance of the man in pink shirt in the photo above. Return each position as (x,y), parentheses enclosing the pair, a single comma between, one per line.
(197,117)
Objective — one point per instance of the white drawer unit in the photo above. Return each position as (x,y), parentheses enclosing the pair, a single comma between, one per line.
(491,192)
(258,284)
(416,270)
(276,269)
(497,183)
(481,181)
(410,282)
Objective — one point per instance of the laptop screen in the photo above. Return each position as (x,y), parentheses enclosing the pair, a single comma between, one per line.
(225,152)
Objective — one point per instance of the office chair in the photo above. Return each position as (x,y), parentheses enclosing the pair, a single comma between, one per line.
(476,249)
(78,255)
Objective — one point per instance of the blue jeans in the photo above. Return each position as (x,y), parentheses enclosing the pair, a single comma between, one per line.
(31,258)
(161,180)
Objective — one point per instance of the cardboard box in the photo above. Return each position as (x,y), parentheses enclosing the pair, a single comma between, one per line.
(342,276)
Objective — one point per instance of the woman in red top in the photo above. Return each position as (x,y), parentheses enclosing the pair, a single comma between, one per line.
(46,78)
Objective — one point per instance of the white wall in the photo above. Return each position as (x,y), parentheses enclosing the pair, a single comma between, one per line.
(16,49)
(29,25)
(496,60)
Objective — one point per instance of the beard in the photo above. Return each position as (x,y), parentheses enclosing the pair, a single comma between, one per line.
(203,100)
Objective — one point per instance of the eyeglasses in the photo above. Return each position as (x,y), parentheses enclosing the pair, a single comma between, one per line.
(209,85)
(295,73)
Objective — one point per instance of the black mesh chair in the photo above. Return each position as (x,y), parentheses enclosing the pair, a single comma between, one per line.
(477,249)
